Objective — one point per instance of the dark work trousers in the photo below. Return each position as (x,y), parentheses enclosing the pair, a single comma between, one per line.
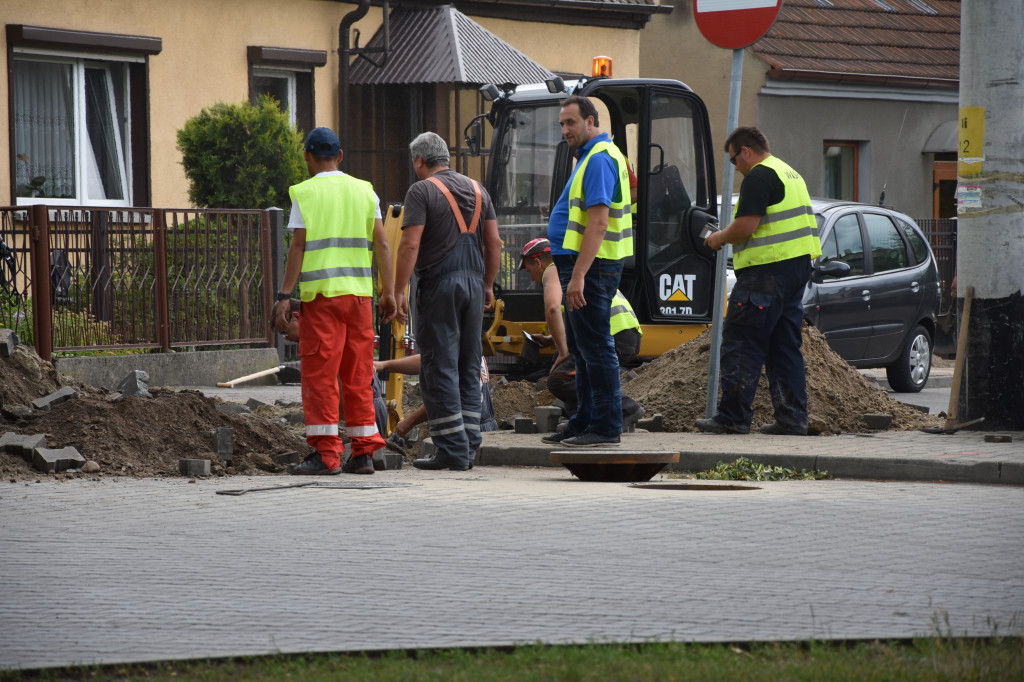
(762,328)
(449,324)
(588,335)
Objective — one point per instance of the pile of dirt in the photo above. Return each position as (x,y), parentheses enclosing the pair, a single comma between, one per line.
(131,436)
(838,396)
(675,385)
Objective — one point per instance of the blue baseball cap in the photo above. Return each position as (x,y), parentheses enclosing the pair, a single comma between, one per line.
(322,141)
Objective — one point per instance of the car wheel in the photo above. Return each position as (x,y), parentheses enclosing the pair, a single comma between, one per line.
(910,372)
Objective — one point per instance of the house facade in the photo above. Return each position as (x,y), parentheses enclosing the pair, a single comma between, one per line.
(860,96)
(97,91)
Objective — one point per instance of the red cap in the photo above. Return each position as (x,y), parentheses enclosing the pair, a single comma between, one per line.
(534,248)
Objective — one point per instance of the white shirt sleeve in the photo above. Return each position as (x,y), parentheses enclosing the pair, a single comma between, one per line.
(295,221)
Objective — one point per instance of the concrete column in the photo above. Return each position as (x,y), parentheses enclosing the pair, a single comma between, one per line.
(991,209)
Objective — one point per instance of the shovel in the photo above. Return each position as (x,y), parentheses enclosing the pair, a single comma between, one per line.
(958,369)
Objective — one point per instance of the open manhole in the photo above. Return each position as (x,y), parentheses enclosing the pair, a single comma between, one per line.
(692,486)
(614,466)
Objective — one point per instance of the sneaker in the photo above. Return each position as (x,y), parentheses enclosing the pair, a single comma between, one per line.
(589,440)
(359,464)
(312,466)
(555,438)
(714,426)
(777,429)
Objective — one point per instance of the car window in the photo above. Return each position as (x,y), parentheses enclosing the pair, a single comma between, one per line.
(888,251)
(844,243)
(917,244)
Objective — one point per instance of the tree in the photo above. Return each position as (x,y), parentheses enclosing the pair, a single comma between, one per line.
(241,155)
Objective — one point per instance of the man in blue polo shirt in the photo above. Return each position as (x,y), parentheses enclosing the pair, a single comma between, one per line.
(591,232)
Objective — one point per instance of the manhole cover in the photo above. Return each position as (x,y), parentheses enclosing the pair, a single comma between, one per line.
(692,486)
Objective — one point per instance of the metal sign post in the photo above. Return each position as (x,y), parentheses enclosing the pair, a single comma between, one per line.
(724,218)
(733,25)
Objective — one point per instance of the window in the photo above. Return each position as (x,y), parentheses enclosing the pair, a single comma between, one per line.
(840,170)
(917,243)
(78,116)
(279,84)
(888,252)
(287,75)
(71,129)
(844,243)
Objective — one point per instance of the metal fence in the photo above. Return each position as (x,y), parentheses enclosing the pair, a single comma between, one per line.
(144,278)
(941,235)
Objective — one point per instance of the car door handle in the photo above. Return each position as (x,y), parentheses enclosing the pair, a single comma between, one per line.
(915,287)
(866,295)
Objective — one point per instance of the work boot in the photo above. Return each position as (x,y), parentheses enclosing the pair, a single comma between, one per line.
(435,463)
(359,464)
(714,426)
(777,429)
(313,465)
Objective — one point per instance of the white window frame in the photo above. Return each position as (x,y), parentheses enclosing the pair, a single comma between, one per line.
(288,75)
(79,61)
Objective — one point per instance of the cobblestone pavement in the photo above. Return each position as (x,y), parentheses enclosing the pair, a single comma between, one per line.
(141,570)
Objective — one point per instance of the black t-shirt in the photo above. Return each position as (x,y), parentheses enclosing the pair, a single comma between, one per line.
(426,205)
(761,188)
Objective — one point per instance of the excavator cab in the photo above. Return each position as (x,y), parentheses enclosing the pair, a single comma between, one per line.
(662,128)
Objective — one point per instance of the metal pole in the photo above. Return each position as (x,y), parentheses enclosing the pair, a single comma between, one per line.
(990,209)
(724,218)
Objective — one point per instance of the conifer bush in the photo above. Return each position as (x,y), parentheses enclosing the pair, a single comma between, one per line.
(241,155)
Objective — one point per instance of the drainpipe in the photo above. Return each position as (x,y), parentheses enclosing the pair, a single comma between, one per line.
(343,58)
(344,53)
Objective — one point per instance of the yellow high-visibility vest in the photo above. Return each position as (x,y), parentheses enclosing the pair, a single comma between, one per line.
(339,213)
(787,230)
(618,239)
(623,316)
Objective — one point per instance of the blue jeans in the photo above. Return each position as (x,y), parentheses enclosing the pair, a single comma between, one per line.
(762,328)
(588,335)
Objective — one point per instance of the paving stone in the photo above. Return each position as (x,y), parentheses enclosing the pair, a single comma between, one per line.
(547,418)
(223,442)
(136,383)
(56,398)
(231,407)
(15,411)
(194,467)
(877,420)
(253,404)
(297,418)
(524,425)
(8,341)
(285,458)
(55,460)
(655,423)
(22,445)
(392,460)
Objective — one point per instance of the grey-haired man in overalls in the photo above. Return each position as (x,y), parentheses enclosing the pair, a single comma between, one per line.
(450,237)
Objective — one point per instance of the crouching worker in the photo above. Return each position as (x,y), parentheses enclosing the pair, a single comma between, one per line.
(410,364)
(335,220)
(625,328)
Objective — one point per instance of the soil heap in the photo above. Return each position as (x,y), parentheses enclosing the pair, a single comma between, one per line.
(676,385)
(131,436)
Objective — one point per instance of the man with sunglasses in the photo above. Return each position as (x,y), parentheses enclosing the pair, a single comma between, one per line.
(774,236)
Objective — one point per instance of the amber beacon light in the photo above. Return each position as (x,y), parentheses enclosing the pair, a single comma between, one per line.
(602,67)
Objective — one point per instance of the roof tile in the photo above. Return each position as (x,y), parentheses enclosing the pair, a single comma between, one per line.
(860,37)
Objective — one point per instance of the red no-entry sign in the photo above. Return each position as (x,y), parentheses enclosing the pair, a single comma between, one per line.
(734,24)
